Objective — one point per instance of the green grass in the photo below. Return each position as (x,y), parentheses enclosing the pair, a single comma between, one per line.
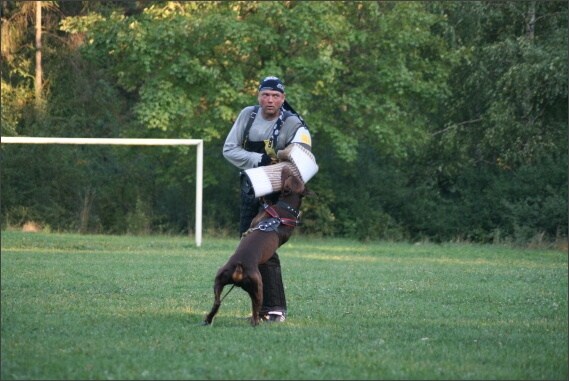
(110,307)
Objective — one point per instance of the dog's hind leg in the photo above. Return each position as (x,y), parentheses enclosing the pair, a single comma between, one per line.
(217,290)
(217,302)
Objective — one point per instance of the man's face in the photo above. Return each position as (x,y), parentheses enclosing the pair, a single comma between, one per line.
(271,102)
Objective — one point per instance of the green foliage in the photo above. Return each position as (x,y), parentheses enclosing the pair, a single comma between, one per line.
(195,67)
(512,82)
(137,221)
(430,120)
(14,102)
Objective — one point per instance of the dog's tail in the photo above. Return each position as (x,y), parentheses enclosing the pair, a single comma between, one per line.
(238,273)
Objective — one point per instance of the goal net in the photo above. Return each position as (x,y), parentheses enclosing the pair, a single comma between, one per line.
(137,142)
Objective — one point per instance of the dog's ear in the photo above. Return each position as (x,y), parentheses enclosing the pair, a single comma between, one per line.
(308,192)
(286,172)
(285,189)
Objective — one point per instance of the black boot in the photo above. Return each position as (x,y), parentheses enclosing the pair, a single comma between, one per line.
(274,300)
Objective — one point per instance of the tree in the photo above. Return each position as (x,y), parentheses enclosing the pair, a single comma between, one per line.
(510,103)
(446,119)
(506,123)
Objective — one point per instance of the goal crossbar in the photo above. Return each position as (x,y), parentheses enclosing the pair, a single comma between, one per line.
(140,142)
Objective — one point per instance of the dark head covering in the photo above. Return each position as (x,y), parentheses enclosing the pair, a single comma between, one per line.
(275,84)
(271,83)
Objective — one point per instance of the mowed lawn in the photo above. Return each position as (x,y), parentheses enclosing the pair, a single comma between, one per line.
(124,307)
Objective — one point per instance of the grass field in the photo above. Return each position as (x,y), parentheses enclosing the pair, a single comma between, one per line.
(110,307)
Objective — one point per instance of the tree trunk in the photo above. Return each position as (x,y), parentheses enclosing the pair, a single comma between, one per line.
(38,82)
(531,20)
(88,198)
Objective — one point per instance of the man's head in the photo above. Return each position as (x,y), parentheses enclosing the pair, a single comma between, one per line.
(271,96)
(271,83)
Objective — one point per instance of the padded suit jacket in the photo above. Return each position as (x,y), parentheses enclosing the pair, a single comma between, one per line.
(292,131)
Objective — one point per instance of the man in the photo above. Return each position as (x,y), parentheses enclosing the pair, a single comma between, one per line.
(254,140)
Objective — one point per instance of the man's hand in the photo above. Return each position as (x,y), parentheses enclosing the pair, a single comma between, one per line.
(267,160)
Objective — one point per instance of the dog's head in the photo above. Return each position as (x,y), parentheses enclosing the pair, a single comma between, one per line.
(292,184)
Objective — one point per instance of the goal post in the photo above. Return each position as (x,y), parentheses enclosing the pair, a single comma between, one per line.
(139,142)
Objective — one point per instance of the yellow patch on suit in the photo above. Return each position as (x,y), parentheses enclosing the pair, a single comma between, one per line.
(269,149)
(305,138)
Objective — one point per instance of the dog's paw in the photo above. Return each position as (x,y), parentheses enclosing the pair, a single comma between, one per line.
(204,323)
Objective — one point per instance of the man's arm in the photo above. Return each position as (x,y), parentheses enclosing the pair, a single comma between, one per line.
(303,138)
(296,132)
(233,150)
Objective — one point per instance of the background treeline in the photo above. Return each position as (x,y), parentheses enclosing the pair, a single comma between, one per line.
(430,120)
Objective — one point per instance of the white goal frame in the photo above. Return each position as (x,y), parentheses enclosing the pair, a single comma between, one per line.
(140,142)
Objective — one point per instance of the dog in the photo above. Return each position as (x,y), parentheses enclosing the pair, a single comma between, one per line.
(268,231)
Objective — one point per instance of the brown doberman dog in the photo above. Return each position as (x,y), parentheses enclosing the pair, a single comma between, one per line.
(269,230)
